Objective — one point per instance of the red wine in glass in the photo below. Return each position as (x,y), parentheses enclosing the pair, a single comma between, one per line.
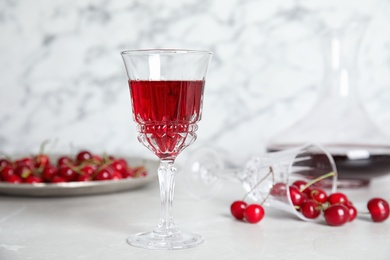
(167,112)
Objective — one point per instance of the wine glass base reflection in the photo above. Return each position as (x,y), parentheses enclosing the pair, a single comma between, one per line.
(177,240)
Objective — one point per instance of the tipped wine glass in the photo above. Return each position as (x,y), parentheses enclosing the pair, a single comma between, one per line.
(166,90)
(266,178)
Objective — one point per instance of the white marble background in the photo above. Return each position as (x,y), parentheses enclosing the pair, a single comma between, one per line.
(62,78)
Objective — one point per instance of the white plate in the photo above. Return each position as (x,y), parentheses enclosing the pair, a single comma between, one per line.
(84,188)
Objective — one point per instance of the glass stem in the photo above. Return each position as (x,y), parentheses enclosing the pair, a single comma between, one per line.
(166,176)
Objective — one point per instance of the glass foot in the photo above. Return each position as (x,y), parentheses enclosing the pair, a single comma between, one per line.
(153,240)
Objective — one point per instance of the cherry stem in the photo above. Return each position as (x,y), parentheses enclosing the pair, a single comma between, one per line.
(273,182)
(317,180)
(42,147)
(265,177)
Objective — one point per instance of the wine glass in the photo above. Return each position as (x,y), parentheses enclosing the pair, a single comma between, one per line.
(266,178)
(166,90)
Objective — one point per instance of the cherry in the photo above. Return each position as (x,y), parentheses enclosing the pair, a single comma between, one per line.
(87,170)
(128,173)
(97,159)
(299,184)
(253,213)
(58,179)
(297,198)
(84,156)
(119,165)
(27,161)
(379,209)
(4,162)
(33,179)
(318,195)
(41,160)
(336,215)
(49,172)
(103,175)
(23,171)
(337,198)
(64,160)
(83,178)
(14,179)
(352,211)
(279,189)
(116,175)
(237,209)
(311,209)
(6,172)
(67,173)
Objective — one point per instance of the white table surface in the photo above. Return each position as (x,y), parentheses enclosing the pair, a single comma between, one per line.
(96,227)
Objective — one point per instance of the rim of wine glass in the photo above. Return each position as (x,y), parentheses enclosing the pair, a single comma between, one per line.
(165,51)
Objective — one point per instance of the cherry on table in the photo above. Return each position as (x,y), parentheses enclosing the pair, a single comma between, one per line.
(253,213)
(237,209)
(379,209)
(352,211)
(336,215)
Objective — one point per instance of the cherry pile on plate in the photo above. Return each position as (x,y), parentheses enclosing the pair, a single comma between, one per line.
(85,166)
(312,202)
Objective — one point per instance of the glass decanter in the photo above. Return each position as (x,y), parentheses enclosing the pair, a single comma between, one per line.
(338,119)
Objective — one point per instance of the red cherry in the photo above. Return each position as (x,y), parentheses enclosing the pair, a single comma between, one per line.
(352,212)
(237,209)
(87,170)
(337,198)
(296,196)
(67,173)
(97,159)
(83,178)
(279,190)
(128,173)
(116,175)
(41,160)
(103,175)
(311,209)
(23,171)
(254,213)
(14,179)
(64,160)
(119,166)
(319,195)
(27,161)
(58,179)
(33,179)
(299,184)
(336,215)
(49,172)
(84,156)
(6,172)
(4,162)
(379,209)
